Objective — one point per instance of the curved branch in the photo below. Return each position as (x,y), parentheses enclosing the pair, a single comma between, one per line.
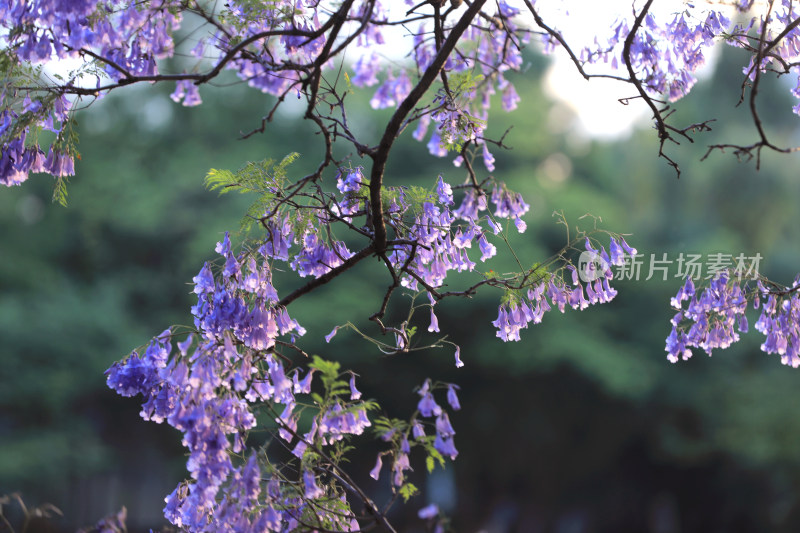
(558,37)
(381,153)
(349,263)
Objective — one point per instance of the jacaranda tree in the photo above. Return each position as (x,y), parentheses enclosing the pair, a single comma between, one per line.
(436,65)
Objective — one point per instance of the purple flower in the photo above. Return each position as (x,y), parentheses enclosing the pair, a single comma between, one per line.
(474,202)
(304,386)
(574,274)
(488,250)
(459,362)
(131,377)
(352,181)
(428,512)
(287,423)
(187,91)
(445,446)
(417,430)
(401,464)
(686,292)
(427,406)
(434,326)
(312,491)
(183,346)
(443,426)
(510,322)
(444,192)
(376,470)
(392,91)
(488,158)
(452,397)
(354,393)
(631,251)
(495,227)
(510,98)
(300,449)
(224,248)
(508,204)
(59,163)
(435,146)
(332,334)
(405,447)
(366,69)
(617,254)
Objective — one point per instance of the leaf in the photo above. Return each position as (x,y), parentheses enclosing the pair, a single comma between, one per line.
(329,369)
(222,180)
(430,464)
(60,191)
(263,178)
(407,491)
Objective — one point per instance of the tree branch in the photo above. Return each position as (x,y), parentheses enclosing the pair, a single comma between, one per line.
(381,153)
(349,263)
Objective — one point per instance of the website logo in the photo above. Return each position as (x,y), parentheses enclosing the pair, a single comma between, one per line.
(591,266)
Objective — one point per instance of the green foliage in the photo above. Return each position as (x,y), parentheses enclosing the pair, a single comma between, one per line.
(264,178)
(512,297)
(336,506)
(13,73)
(382,425)
(417,196)
(462,90)
(329,370)
(41,107)
(408,491)
(464,82)
(254,11)
(539,273)
(60,191)
(433,455)
(65,142)
(414,195)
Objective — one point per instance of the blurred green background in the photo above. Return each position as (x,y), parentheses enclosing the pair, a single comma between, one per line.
(582,426)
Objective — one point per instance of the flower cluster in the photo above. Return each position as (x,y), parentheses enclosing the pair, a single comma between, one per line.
(664,55)
(129,35)
(211,384)
(459,114)
(784,56)
(438,244)
(404,437)
(279,46)
(715,316)
(209,388)
(19,156)
(530,306)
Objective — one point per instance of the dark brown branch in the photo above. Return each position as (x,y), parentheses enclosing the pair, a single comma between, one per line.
(663,135)
(328,276)
(381,153)
(466,156)
(558,37)
(662,127)
(774,42)
(314,79)
(371,507)
(746,152)
(376,317)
